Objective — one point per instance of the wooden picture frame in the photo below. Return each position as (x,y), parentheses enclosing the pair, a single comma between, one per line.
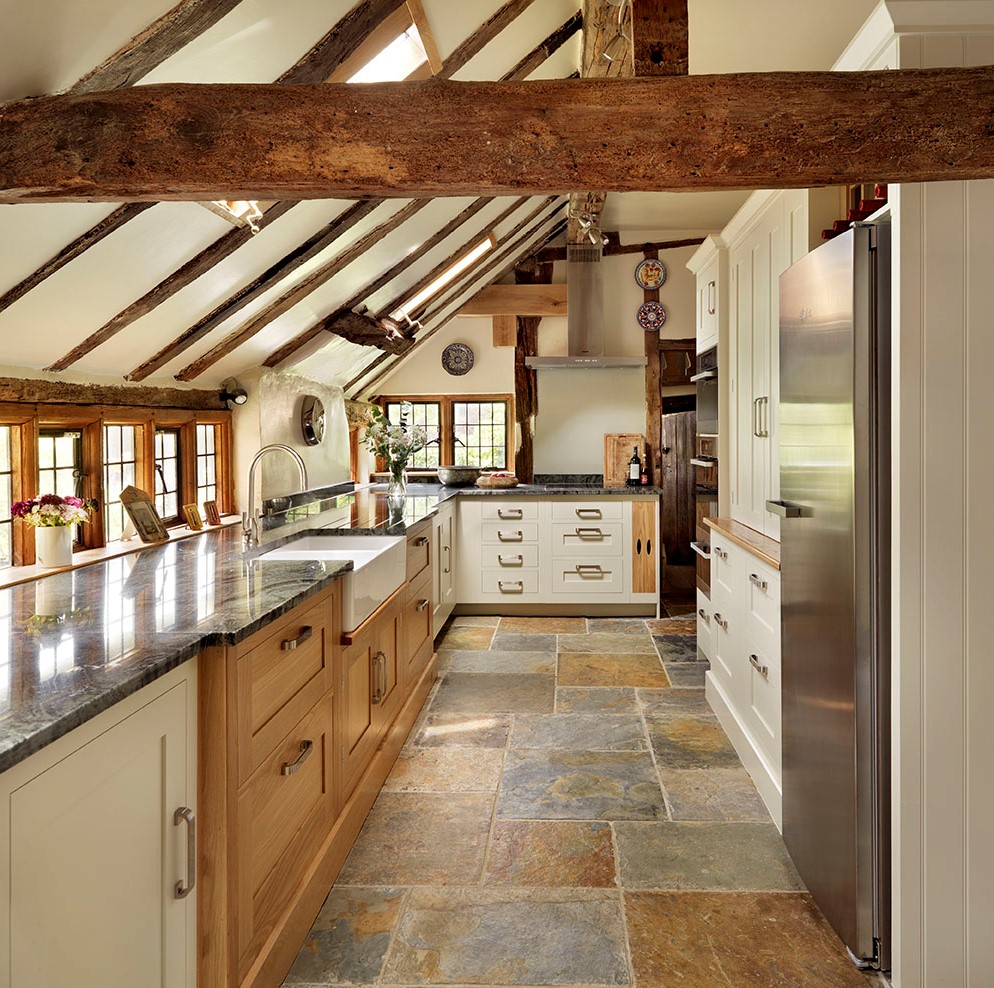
(211,513)
(141,510)
(193,520)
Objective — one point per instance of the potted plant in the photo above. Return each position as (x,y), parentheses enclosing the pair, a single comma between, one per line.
(395,444)
(53,517)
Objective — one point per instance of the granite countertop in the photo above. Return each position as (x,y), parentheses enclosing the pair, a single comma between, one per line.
(75,643)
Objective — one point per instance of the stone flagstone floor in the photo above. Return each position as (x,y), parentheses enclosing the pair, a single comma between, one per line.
(567,811)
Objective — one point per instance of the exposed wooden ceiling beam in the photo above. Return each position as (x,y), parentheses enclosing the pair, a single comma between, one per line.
(24,391)
(548,47)
(385,363)
(614,248)
(269,278)
(149,49)
(117,219)
(678,133)
(518,300)
(296,293)
(482,36)
(660,38)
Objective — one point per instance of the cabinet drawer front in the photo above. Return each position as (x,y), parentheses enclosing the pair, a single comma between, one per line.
(284,813)
(505,509)
(280,680)
(593,539)
(704,624)
(726,565)
(763,671)
(417,617)
(583,577)
(582,512)
(510,585)
(509,532)
(762,594)
(418,549)
(510,557)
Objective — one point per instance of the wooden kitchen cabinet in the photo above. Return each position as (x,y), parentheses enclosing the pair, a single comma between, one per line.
(677,359)
(92,851)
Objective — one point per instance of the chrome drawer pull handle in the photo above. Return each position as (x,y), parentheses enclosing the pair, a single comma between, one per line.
(711,298)
(588,512)
(289,644)
(720,553)
(701,548)
(764,671)
(720,621)
(448,559)
(422,604)
(306,747)
(513,537)
(379,661)
(511,560)
(757,582)
(703,615)
(510,514)
(421,541)
(589,569)
(185,815)
(589,533)
(517,587)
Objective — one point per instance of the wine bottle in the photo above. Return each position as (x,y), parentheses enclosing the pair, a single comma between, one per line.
(644,476)
(634,468)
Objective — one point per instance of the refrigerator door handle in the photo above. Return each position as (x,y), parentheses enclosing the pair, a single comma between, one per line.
(755,417)
(784,510)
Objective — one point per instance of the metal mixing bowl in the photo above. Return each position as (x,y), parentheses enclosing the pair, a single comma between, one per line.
(458,476)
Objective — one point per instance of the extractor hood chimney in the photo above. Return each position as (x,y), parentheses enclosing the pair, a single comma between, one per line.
(584,315)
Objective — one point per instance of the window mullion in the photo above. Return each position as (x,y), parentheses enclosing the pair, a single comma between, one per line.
(447,431)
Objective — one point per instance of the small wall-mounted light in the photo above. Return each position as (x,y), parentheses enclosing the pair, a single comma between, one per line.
(230,391)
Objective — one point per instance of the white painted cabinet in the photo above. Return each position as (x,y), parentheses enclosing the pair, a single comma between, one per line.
(92,849)
(708,264)
(444,566)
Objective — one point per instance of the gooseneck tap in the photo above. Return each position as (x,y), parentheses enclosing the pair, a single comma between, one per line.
(250,518)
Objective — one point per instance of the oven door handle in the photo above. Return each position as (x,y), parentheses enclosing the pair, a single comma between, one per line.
(708,375)
(697,461)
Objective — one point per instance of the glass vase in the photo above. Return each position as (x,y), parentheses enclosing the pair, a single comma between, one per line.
(397,485)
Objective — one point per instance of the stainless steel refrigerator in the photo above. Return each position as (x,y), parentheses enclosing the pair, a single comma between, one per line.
(835,509)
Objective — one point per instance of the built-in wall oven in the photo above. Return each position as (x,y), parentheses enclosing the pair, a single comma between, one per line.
(706,461)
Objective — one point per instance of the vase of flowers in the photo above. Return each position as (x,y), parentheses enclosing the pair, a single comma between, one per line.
(395,444)
(53,517)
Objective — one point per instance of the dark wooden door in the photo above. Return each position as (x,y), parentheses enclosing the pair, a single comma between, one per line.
(679,502)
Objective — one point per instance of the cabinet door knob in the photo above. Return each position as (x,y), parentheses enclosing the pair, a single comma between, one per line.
(289,768)
(185,815)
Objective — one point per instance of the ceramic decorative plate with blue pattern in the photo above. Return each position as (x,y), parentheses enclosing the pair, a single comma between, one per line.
(651,316)
(457,359)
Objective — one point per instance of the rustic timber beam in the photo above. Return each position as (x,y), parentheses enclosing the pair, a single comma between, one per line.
(544,49)
(614,248)
(26,391)
(504,330)
(117,219)
(740,131)
(295,294)
(660,39)
(149,49)
(522,299)
(483,35)
(269,278)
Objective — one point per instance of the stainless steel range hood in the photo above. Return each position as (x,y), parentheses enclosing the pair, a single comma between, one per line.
(584,316)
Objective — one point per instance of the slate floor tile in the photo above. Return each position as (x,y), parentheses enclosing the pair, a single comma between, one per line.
(713,794)
(421,839)
(703,940)
(475,621)
(616,626)
(586,732)
(667,703)
(687,673)
(457,639)
(620,669)
(608,643)
(731,856)
(491,693)
(348,941)
(676,648)
(551,853)
(606,699)
(446,770)
(523,643)
(690,742)
(463,731)
(498,661)
(672,626)
(543,626)
(579,785)
(509,937)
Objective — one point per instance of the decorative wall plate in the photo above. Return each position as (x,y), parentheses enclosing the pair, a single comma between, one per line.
(650,274)
(457,359)
(651,316)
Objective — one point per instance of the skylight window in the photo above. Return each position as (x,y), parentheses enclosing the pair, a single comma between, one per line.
(450,273)
(405,54)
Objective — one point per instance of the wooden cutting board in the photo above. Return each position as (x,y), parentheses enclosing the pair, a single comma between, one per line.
(617,453)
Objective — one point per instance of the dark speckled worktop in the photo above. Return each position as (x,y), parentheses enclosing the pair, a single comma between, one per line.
(77,642)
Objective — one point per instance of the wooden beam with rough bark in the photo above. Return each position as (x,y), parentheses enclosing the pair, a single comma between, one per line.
(162,38)
(482,36)
(660,38)
(26,391)
(545,49)
(269,278)
(681,133)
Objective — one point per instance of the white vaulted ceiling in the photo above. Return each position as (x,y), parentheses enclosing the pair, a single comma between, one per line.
(48,44)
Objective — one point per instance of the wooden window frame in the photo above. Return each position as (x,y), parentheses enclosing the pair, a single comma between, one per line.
(446,428)
(26,419)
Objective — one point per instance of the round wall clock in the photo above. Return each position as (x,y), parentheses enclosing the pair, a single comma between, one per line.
(651,316)
(650,274)
(457,359)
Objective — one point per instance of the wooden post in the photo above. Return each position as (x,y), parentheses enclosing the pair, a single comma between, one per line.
(653,396)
